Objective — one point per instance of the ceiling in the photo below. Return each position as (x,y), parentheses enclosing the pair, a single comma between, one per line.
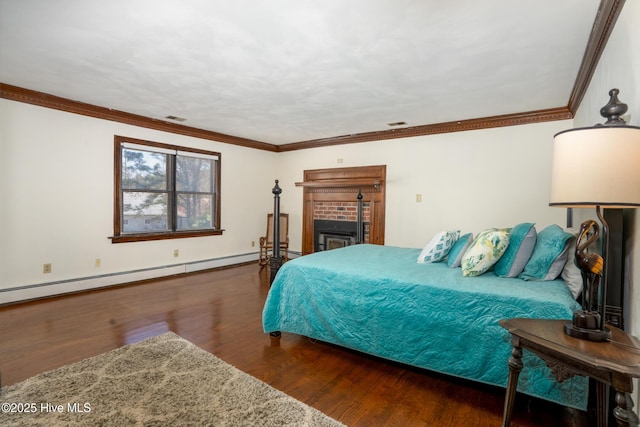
(291,71)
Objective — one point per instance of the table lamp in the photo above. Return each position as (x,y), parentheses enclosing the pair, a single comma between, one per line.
(597,167)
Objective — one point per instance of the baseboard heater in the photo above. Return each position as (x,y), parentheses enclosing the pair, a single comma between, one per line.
(42,290)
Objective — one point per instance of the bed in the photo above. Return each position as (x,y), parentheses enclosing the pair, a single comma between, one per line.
(378,300)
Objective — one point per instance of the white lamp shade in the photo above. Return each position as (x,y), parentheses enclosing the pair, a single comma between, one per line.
(597,166)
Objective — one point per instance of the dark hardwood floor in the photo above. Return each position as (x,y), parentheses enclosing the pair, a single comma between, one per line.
(220,311)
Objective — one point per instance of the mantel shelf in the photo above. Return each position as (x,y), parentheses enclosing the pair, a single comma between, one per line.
(341,183)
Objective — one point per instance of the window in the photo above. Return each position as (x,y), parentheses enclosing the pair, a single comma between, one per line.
(164,191)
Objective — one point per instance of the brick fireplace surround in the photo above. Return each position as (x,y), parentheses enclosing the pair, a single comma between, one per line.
(331,194)
(340,211)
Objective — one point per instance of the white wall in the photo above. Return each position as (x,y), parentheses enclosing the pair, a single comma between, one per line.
(57,169)
(468,180)
(57,203)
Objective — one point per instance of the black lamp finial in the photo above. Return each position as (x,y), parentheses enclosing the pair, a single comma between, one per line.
(614,110)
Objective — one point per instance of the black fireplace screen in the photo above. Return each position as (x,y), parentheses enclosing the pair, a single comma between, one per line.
(330,234)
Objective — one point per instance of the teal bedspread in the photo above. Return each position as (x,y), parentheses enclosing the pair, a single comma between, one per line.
(380,301)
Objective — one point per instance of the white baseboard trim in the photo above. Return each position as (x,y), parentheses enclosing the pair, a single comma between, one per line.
(42,290)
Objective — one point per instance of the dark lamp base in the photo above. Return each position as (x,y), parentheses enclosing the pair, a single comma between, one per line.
(596,335)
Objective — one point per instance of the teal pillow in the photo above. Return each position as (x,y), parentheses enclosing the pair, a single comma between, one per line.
(485,251)
(549,256)
(522,241)
(458,250)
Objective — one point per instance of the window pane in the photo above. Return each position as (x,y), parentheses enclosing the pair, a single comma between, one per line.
(195,211)
(193,174)
(164,191)
(143,170)
(144,211)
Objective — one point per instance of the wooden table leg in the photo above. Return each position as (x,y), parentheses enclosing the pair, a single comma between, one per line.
(624,411)
(602,404)
(515,366)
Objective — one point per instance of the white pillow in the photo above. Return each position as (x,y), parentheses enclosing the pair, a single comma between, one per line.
(571,274)
(439,246)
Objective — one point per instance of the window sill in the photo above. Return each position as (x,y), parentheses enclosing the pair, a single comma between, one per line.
(142,237)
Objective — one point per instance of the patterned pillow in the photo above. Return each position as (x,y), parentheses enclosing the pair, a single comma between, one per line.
(522,241)
(458,250)
(485,251)
(439,246)
(549,256)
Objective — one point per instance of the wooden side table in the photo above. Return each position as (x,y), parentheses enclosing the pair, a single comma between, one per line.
(613,363)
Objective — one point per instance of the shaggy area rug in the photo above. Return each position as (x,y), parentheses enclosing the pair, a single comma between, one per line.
(162,381)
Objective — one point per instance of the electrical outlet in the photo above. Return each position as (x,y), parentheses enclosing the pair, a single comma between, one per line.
(418,198)
(340,161)
(176,253)
(46,268)
(98,262)
(253,243)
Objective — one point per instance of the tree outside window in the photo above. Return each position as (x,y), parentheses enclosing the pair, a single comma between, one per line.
(164,191)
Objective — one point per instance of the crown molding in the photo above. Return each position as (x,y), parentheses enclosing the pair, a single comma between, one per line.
(41,99)
(608,13)
(560,113)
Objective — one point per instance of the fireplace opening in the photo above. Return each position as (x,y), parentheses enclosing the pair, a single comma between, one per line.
(329,234)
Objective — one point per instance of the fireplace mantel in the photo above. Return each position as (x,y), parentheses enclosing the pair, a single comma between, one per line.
(343,182)
(343,185)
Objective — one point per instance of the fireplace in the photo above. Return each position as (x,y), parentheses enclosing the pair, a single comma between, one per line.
(355,194)
(329,234)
